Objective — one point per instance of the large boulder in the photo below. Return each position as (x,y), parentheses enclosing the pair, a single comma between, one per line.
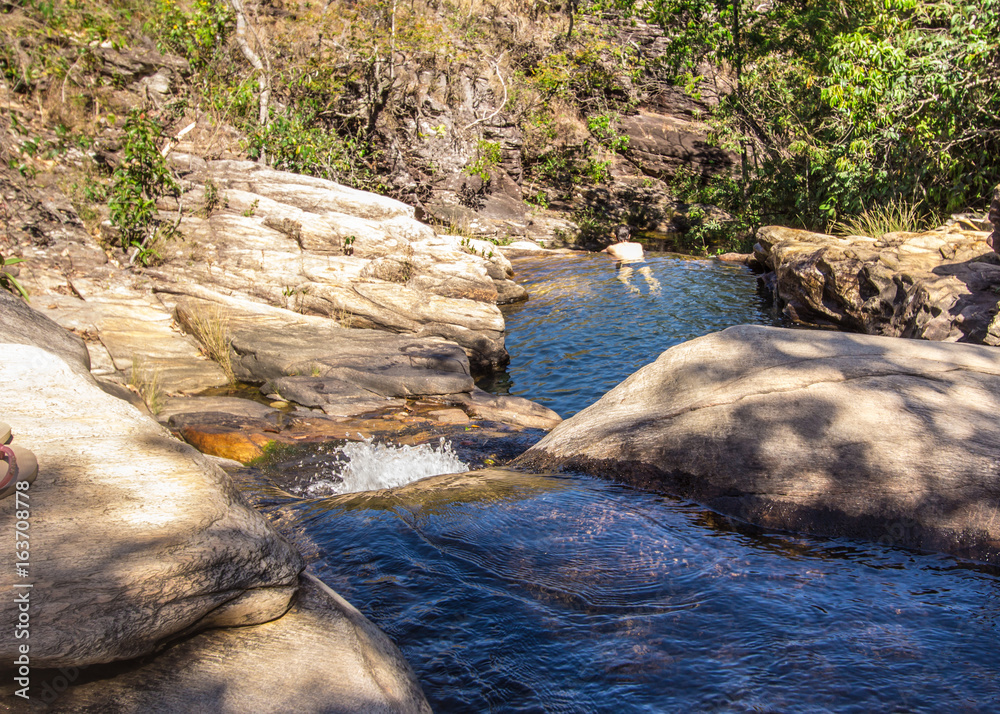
(135,538)
(323,657)
(821,432)
(936,285)
(317,247)
(660,144)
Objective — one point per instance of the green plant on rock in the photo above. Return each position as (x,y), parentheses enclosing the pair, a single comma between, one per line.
(7,280)
(213,199)
(140,180)
(489,154)
(605,130)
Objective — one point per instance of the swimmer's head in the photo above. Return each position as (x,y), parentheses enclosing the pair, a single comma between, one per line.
(622,233)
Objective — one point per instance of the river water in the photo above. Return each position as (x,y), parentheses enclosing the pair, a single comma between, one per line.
(571,594)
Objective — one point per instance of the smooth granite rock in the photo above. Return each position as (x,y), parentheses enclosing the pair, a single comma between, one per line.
(827,433)
(135,538)
(322,657)
(22,325)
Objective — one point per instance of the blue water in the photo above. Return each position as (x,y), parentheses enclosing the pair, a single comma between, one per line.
(585,329)
(572,594)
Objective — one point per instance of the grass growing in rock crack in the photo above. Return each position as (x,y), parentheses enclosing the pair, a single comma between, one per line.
(210,326)
(876,221)
(145,381)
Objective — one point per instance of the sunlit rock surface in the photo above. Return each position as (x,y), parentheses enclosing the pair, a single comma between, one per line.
(135,538)
(314,246)
(827,433)
(937,285)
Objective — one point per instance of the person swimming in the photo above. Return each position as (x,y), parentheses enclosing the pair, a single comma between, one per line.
(626,252)
(622,249)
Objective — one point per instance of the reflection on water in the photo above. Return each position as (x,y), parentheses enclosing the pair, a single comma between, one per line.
(536,593)
(591,597)
(590,322)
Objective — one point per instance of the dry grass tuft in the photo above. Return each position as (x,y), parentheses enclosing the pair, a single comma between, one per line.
(875,222)
(145,381)
(210,326)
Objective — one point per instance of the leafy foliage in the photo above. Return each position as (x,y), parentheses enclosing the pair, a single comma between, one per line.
(7,279)
(141,178)
(198,34)
(488,157)
(839,106)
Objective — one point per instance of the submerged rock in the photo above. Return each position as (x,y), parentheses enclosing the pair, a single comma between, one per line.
(825,433)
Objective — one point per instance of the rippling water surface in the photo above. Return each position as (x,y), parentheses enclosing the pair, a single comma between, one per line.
(570,594)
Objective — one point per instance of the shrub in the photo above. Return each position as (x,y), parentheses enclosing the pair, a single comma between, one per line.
(141,178)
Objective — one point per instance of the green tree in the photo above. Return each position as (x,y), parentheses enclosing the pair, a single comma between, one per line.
(838,105)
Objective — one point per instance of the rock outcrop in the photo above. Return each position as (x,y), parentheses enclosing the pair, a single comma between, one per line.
(820,432)
(660,144)
(152,585)
(135,538)
(324,249)
(323,656)
(938,285)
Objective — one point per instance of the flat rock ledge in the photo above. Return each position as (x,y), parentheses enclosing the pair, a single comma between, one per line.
(832,434)
(938,285)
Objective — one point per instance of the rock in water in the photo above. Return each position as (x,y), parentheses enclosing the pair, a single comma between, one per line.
(135,538)
(827,433)
(936,285)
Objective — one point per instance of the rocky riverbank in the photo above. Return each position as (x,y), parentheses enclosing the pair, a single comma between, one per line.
(346,318)
(150,580)
(817,432)
(937,285)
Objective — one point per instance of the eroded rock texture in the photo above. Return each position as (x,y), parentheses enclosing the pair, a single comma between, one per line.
(939,285)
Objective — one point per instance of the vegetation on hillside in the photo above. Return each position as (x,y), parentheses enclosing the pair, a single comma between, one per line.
(840,106)
(835,107)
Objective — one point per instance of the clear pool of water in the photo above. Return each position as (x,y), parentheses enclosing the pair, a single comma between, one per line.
(590,324)
(564,593)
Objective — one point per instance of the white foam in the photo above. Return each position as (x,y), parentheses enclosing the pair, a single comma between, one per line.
(371,466)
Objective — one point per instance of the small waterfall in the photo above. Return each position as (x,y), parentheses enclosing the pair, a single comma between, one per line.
(367,466)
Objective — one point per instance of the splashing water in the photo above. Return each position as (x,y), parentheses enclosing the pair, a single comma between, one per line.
(367,466)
